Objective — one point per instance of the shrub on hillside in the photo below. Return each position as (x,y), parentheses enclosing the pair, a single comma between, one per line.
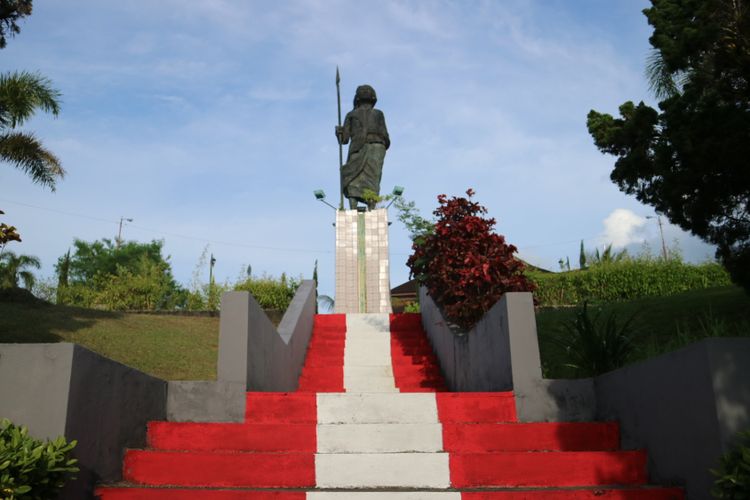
(463,264)
(30,468)
(271,293)
(626,280)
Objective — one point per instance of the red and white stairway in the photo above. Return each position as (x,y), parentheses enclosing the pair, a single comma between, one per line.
(372,420)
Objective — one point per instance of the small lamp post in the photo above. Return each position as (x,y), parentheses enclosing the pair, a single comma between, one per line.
(118,241)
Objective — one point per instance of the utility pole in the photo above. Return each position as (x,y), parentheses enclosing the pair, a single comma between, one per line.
(661,233)
(118,241)
(341,147)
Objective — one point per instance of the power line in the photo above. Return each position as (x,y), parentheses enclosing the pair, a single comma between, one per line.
(249,245)
(167,233)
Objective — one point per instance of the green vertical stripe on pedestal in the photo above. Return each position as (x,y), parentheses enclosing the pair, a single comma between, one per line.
(361,264)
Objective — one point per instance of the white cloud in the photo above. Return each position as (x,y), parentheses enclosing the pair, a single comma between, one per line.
(622,228)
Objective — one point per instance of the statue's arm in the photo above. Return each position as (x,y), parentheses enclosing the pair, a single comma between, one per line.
(344,132)
(385,131)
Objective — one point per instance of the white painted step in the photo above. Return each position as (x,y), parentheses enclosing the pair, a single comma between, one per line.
(368,322)
(377,408)
(382,470)
(384,495)
(367,354)
(369,384)
(380,438)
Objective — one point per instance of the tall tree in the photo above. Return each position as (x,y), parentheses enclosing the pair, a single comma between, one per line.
(15,268)
(11,11)
(690,160)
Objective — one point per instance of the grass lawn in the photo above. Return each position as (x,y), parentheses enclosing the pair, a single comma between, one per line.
(661,323)
(169,347)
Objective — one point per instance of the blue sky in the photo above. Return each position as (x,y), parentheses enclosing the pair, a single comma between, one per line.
(211,122)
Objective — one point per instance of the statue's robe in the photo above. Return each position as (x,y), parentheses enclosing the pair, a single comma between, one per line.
(365,127)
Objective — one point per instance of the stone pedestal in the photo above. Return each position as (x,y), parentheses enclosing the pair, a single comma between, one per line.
(362,269)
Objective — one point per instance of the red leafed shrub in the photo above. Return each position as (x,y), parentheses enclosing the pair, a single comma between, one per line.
(464,265)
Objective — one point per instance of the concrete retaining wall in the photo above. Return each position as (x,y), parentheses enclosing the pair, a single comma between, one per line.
(684,407)
(480,360)
(253,356)
(65,389)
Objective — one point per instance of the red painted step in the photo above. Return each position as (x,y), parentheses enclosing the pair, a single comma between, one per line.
(579,494)
(406,321)
(133,493)
(562,436)
(189,436)
(281,407)
(256,470)
(468,407)
(550,469)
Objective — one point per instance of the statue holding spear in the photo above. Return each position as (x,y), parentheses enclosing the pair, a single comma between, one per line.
(365,131)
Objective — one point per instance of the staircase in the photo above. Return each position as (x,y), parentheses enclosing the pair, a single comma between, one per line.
(372,419)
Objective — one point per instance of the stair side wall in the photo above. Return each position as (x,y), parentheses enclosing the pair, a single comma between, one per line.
(66,390)
(253,352)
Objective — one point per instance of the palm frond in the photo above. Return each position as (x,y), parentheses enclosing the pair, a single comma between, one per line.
(26,152)
(662,82)
(23,93)
(28,279)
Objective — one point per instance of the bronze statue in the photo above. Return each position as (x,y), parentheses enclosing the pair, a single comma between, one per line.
(365,127)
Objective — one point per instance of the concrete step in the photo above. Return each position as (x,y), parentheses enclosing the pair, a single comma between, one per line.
(220,469)
(548,469)
(382,470)
(190,436)
(543,436)
(128,492)
(478,407)
(281,407)
(379,438)
(353,408)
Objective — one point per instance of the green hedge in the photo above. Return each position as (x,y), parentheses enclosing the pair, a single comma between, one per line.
(625,280)
(271,293)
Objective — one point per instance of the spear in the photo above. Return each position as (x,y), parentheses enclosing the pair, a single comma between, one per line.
(341,147)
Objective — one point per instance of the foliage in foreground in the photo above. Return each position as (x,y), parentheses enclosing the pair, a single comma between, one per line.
(626,279)
(595,345)
(733,475)
(464,265)
(30,468)
(689,158)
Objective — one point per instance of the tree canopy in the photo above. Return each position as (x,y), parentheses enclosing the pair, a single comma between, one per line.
(11,11)
(128,276)
(690,159)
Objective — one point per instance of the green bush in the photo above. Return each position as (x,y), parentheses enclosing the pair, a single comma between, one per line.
(594,345)
(625,280)
(271,293)
(32,469)
(733,476)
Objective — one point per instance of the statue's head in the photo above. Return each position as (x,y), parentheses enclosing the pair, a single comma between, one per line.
(365,93)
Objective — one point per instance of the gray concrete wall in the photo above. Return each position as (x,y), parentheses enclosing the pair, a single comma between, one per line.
(480,360)
(252,351)
(65,389)
(205,401)
(684,407)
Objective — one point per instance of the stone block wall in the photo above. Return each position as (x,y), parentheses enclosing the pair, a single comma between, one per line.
(376,275)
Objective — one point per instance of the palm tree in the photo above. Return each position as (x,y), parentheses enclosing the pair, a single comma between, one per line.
(21,95)
(14,268)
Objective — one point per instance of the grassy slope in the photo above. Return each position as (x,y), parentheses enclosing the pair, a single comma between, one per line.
(169,347)
(662,323)
(185,347)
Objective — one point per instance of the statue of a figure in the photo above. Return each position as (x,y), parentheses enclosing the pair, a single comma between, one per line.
(365,127)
